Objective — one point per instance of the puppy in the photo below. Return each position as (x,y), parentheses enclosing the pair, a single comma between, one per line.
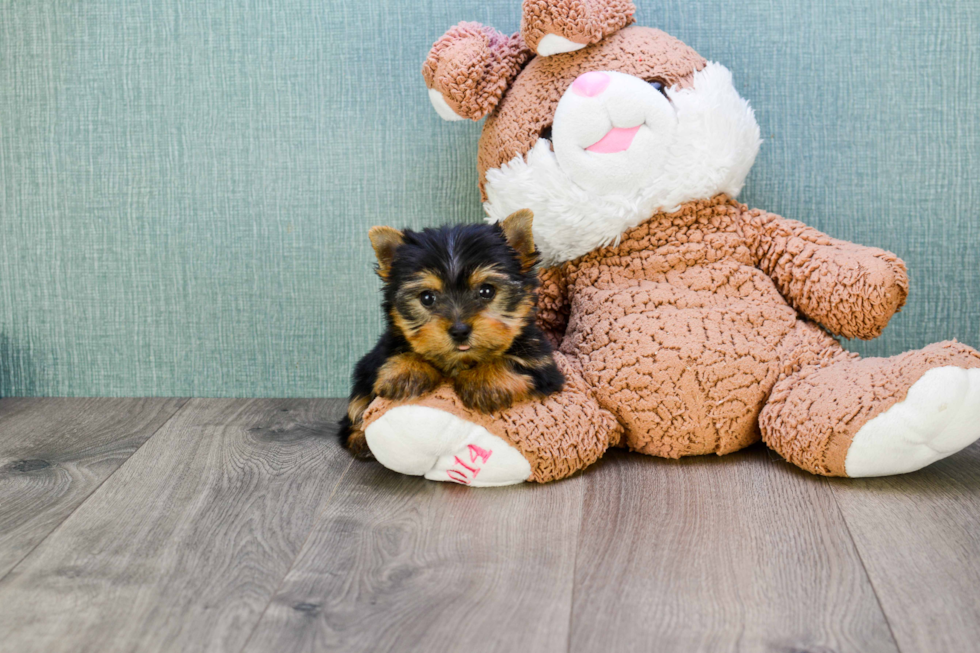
(460,306)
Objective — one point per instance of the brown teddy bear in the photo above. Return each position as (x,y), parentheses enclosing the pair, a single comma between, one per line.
(684,322)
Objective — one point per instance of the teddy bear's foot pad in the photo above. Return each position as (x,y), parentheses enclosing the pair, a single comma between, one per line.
(939,416)
(423,441)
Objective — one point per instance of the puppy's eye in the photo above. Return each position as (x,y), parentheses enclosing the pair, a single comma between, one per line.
(659,87)
(487,291)
(428,298)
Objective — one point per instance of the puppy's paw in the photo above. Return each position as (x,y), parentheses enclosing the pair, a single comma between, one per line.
(357,445)
(492,387)
(406,376)
(485,399)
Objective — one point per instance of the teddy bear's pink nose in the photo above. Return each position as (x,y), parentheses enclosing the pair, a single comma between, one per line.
(590,84)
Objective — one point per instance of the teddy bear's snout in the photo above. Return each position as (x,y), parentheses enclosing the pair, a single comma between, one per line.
(611,132)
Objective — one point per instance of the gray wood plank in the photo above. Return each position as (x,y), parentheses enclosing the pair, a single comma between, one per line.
(919,537)
(404,564)
(734,553)
(182,548)
(12,406)
(55,452)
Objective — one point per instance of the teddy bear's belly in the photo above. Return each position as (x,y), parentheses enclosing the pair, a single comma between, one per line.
(684,361)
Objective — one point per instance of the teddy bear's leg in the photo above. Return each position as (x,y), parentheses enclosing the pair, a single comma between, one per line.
(840,415)
(539,440)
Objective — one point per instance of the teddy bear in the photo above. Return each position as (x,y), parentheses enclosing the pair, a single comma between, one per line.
(685,323)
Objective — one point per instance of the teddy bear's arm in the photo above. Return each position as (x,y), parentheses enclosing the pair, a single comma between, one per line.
(850,289)
(553,305)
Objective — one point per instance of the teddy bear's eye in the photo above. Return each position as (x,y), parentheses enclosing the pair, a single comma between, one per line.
(546,132)
(659,87)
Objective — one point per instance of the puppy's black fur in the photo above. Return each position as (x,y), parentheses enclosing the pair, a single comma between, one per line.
(460,306)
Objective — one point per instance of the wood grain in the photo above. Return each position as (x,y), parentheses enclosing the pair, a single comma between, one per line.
(404,564)
(55,452)
(235,527)
(919,537)
(734,553)
(182,548)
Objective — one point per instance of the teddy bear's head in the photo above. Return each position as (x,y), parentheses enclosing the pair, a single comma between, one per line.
(593,124)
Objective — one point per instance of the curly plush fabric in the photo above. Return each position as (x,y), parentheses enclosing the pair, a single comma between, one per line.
(472,65)
(579,21)
(676,329)
(812,416)
(683,339)
(529,105)
(869,285)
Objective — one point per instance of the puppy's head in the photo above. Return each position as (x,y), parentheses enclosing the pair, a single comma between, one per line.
(459,295)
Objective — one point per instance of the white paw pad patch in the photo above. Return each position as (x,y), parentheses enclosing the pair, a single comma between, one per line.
(422,441)
(442,107)
(551,44)
(939,416)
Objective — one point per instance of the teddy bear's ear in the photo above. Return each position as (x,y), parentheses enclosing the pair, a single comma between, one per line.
(556,26)
(470,67)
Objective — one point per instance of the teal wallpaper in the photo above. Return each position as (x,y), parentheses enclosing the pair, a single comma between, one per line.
(186,186)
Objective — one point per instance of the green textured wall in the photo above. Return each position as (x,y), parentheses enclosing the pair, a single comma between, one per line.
(185,186)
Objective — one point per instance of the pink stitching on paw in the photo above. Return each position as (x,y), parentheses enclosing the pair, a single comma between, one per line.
(462,477)
(475,471)
(476,453)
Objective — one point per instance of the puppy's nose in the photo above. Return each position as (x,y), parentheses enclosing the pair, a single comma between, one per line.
(590,84)
(460,332)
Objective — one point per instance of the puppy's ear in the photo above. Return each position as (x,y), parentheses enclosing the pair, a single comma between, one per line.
(385,241)
(557,26)
(470,67)
(517,231)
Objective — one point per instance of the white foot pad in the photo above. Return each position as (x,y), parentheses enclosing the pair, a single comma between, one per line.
(422,441)
(940,416)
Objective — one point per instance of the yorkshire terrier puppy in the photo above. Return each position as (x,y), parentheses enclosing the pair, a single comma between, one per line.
(460,306)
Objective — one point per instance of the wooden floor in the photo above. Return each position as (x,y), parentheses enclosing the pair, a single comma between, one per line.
(239,525)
